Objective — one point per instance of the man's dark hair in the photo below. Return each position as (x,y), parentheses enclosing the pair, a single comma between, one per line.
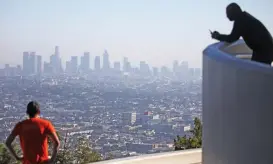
(233,10)
(33,108)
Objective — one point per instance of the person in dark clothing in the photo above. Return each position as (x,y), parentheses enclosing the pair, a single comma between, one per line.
(254,33)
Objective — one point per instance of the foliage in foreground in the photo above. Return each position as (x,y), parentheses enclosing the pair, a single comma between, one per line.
(81,153)
(5,156)
(192,141)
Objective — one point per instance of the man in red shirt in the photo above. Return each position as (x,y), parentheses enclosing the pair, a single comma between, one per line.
(33,134)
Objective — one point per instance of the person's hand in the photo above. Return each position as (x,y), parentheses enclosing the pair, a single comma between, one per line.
(20,159)
(215,34)
(47,162)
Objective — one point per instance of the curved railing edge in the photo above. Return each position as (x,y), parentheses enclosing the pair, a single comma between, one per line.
(214,52)
(151,156)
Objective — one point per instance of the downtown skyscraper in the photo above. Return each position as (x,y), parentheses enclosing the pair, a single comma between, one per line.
(29,63)
(39,64)
(85,62)
(55,61)
(106,62)
(97,63)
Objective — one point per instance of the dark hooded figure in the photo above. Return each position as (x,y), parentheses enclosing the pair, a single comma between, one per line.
(254,33)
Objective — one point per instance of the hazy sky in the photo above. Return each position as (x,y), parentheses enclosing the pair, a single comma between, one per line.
(157,31)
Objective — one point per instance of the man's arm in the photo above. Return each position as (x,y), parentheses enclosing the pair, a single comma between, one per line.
(9,141)
(55,140)
(235,34)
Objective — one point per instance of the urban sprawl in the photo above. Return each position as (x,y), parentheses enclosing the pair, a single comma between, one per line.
(122,110)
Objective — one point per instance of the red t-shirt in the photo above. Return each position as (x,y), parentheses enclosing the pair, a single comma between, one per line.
(33,134)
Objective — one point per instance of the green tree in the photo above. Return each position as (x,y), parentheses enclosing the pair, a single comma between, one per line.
(5,156)
(197,133)
(195,139)
(65,155)
(83,153)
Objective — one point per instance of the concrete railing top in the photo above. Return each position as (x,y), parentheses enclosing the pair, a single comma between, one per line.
(178,157)
(226,53)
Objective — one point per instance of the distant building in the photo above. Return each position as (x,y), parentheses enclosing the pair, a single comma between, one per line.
(26,65)
(139,147)
(39,64)
(148,113)
(191,72)
(67,67)
(197,72)
(81,64)
(175,66)
(19,70)
(165,71)
(184,69)
(29,63)
(74,64)
(85,62)
(126,65)
(55,61)
(106,62)
(117,66)
(155,71)
(128,118)
(97,63)
(32,63)
(48,68)
(144,68)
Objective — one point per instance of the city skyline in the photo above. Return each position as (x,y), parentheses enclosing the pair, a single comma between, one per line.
(35,64)
(142,30)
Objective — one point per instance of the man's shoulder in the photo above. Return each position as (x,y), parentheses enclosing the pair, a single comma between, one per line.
(248,16)
(45,121)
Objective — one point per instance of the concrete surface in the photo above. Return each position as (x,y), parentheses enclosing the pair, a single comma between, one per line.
(181,157)
(237,109)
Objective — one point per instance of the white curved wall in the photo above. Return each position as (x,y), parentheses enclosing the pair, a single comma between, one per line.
(237,109)
(179,157)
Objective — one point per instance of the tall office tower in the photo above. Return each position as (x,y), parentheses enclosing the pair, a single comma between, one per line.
(74,64)
(184,66)
(39,64)
(48,69)
(60,65)
(197,72)
(191,72)
(175,67)
(57,51)
(117,66)
(55,61)
(81,67)
(129,68)
(19,70)
(125,64)
(68,67)
(97,63)
(165,71)
(85,62)
(58,59)
(155,71)
(25,63)
(184,69)
(128,118)
(32,63)
(144,68)
(51,59)
(7,70)
(106,62)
